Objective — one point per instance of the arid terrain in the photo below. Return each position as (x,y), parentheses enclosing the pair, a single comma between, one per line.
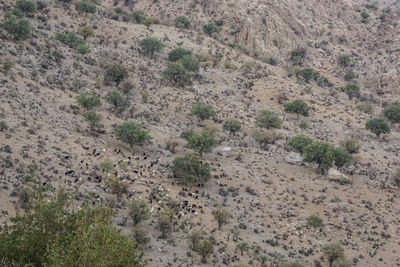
(245,67)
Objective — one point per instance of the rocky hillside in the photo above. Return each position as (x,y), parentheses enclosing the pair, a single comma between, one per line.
(59,124)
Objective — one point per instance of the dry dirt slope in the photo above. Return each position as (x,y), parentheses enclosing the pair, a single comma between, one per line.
(269,198)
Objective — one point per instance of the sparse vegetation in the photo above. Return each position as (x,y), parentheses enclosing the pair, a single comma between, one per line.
(86,7)
(70,39)
(138,211)
(182,22)
(352,90)
(190,63)
(88,100)
(300,142)
(233,126)
(267,119)
(151,45)
(86,31)
(94,120)
(133,133)
(118,101)
(314,221)
(189,169)
(344,60)
(297,56)
(177,75)
(222,216)
(26,7)
(298,107)
(392,113)
(178,53)
(350,146)
(19,29)
(138,16)
(210,28)
(378,126)
(115,73)
(349,75)
(203,111)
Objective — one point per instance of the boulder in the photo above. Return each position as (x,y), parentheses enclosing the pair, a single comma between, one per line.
(337,176)
(294,158)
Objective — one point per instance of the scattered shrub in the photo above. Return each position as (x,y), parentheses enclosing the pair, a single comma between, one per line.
(232,126)
(150,45)
(165,222)
(93,119)
(83,49)
(242,246)
(266,137)
(307,74)
(210,28)
(397,178)
(40,5)
(222,216)
(194,239)
(267,119)
(366,108)
(364,16)
(303,125)
(378,126)
(190,63)
(118,10)
(115,73)
(132,133)
(229,65)
(70,39)
(117,186)
(297,56)
(314,221)
(272,61)
(138,16)
(148,22)
(118,101)
(140,235)
(349,75)
(177,75)
(107,166)
(205,248)
(203,111)
(51,233)
(300,142)
(86,31)
(26,7)
(189,169)
(350,146)
(202,142)
(333,252)
(138,211)
(3,126)
(352,90)
(342,157)
(88,100)
(392,113)
(178,53)
(297,106)
(344,60)
(182,22)
(86,6)
(320,153)
(19,29)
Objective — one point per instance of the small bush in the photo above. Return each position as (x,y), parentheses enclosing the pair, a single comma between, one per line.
(314,221)
(138,16)
(182,22)
(117,186)
(298,107)
(205,248)
(349,75)
(272,61)
(378,126)
(320,153)
(366,108)
(210,28)
(344,60)
(202,142)
(88,100)
(86,31)
(118,101)
(177,75)
(308,74)
(150,45)
(333,252)
(352,90)
(40,5)
(396,178)
(165,222)
(148,22)
(229,65)
(266,137)
(303,125)
(19,29)
(392,113)
(118,10)
(107,166)
(85,6)
(132,133)
(140,235)
(138,211)
(232,126)
(300,142)
(115,73)
(342,157)
(3,126)
(203,111)
(267,119)
(350,146)
(242,246)
(70,39)
(364,16)
(178,53)
(222,216)
(94,120)
(297,56)
(190,63)
(189,169)
(26,7)
(83,49)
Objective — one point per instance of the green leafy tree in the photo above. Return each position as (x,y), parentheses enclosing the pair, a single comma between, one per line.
(392,113)
(86,6)
(190,63)
(88,100)
(242,246)
(115,73)
(26,7)
(222,216)
(307,75)
(70,39)
(189,169)
(297,106)
(203,111)
(233,126)
(267,119)
(205,248)
(50,233)
(182,22)
(86,31)
(352,90)
(138,211)
(194,239)
(132,133)
(210,28)
(320,153)
(118,101)
(202,142)
(378,126)
(315,221)
(177,75)
(300,142)
(150,45)
(19,29)
(178,53)
(138,16)
(333,252)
